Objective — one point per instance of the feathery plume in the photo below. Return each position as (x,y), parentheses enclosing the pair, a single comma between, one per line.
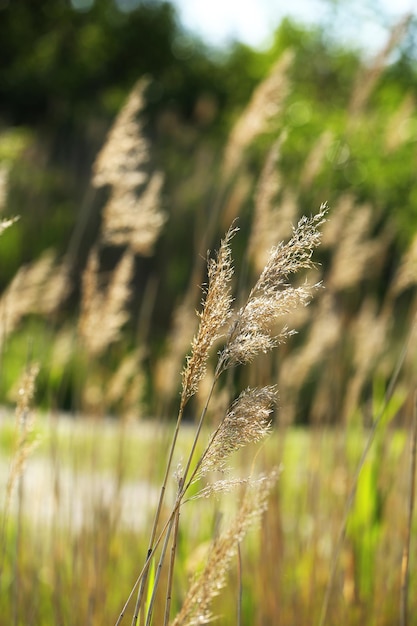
(247,421)
(132,215)
(126,151)
(216,312)
(37,288)
(272,296)
(134,219)
(265,104)
(103,313)
(196,606)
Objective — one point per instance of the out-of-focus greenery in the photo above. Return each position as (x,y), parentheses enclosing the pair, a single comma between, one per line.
(64,74)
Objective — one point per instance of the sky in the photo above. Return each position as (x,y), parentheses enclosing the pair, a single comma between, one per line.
(253,21)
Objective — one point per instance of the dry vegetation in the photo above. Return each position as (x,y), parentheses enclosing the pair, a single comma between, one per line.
(334,506)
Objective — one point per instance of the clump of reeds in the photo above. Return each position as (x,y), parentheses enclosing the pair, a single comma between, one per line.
(245,333)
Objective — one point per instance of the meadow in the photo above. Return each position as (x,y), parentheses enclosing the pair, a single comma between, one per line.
(256,464)
(73,547)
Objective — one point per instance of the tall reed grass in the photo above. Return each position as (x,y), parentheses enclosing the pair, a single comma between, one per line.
(335,506)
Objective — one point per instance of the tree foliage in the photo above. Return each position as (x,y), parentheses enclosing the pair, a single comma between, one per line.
(64,74)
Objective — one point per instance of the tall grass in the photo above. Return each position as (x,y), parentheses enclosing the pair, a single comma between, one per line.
(149,521)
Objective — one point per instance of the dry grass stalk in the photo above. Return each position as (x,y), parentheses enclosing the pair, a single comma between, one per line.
(132,215)
(266,102)
(196,606)
(250,332)
(251,329)
(103,312)
(24,445)
(217,310)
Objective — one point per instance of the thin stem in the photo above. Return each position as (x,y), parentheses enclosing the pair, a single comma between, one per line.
(159,570)
(18,543)
(405,565)
(174,518)
(197,435)
(239,578)
(142,586)
(147,563)
(142,578)
(171,568)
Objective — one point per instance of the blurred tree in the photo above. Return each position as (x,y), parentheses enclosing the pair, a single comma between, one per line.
(65,69)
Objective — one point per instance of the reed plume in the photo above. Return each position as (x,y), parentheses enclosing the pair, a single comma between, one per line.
(213,318)
(132,216)
(103,312)
(272,296)
(264,106)
(196,607)
(245,333)
(247,421)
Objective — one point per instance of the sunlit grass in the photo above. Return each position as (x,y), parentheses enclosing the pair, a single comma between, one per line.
(77,571)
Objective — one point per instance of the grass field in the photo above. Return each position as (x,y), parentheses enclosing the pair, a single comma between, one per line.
(76,533)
